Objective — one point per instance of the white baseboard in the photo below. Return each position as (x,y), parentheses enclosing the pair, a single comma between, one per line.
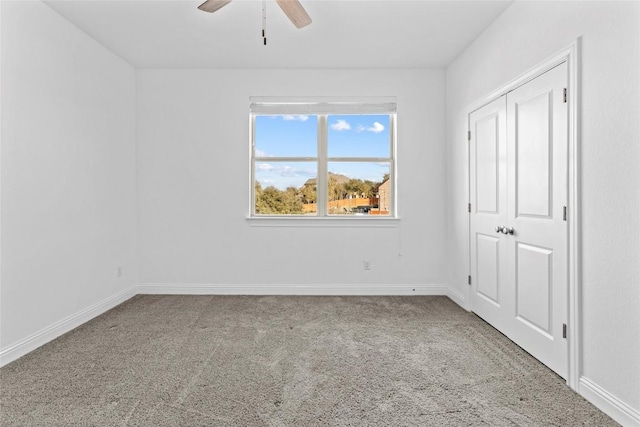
(30,343)
(457,297)
(609,404)
(224,289)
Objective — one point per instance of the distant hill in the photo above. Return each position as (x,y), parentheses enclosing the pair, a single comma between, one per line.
(340,179)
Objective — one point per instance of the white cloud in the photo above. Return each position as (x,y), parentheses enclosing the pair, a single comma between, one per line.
(287,171)
(376,128)
(264,167)
(295,117)
(341,125)
(260,153)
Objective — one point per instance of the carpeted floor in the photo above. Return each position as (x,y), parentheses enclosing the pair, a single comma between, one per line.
(287,361)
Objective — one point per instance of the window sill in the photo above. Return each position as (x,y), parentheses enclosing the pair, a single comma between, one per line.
(305,221)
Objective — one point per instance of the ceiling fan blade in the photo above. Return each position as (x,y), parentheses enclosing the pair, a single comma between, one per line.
(213,5)
(295,12)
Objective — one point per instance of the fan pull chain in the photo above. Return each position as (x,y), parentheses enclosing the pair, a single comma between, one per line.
(264,21)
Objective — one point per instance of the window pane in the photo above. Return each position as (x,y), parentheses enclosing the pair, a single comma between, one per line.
(293,135)
(359,136)
(359,188)
(285,188)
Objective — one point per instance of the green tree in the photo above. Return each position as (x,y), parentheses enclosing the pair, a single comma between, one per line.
(309,193)
(355,187)
(336,190)
(292,199)
(261,206)
(272,201)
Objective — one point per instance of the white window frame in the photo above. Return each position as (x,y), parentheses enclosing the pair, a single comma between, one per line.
(322,108)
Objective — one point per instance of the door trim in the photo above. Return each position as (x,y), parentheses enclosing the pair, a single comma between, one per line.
(570,55)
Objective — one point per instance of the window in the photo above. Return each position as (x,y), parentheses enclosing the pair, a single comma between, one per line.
(322,159)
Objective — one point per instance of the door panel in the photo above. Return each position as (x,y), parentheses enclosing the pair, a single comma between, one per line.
(487,164)
(532,142)
(488,253)
(533,286)
(518,179)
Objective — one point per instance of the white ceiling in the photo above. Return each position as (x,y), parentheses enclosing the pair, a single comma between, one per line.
(344,33)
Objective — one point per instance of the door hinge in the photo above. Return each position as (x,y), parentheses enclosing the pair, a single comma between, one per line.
(469,208)
(469,135)
(469,279)
(564,330)
(564,213)
(565,95)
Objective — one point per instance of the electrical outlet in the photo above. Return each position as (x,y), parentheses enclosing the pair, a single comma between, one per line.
(366,264)
(119,272)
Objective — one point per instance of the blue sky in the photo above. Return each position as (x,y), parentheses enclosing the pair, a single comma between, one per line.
(296,136)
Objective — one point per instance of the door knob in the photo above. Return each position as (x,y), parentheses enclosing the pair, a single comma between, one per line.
(499,228)
(507,230)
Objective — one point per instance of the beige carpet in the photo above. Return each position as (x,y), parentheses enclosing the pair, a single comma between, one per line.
(287,361)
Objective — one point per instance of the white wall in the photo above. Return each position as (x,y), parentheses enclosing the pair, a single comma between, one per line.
(526,34)
(68,175)
(193,175)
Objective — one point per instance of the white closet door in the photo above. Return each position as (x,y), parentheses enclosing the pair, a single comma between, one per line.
(518,235)
(537,187)
(488,247)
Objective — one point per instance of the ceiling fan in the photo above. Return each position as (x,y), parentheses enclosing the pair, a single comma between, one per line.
(292,8)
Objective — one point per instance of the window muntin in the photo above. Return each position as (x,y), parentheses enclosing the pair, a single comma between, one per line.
(348,173)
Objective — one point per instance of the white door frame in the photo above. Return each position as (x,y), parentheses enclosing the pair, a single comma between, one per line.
(570,55)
